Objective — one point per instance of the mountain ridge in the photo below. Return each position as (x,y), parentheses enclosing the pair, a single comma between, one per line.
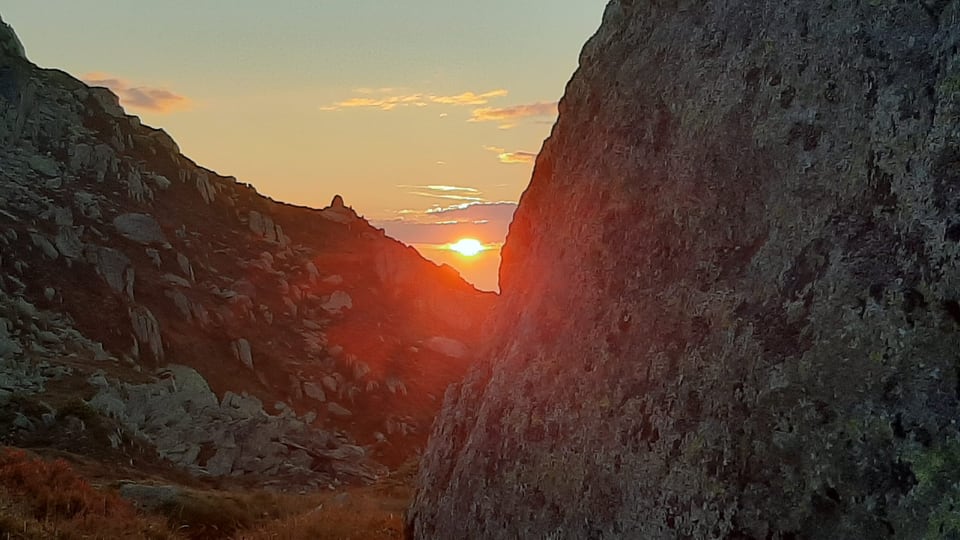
(235,334)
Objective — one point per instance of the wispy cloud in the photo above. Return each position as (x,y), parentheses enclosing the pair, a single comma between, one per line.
(474,212)
(447,196)
(507,116)
(468,98)
(436,187)
(511,158)
(485,221)
(444,192)
(133,96)
(387,100)
(517,157)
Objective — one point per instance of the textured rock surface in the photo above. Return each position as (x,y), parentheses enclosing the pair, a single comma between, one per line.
(750,330)
(9,42)
(181,417)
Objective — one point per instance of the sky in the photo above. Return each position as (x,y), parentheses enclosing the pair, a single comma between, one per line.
(425,115)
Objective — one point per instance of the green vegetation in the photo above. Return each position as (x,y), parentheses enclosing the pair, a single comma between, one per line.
(937,492)
(950,85)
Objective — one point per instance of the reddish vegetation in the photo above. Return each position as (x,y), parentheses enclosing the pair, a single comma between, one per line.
(47,499)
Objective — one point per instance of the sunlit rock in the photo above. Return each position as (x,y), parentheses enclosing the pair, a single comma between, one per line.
(141,228)
(146,329)
(137,189)
(184,263)
(338,302)
(174,279)
(68,241)
(446,346)
(241,350)
(313,391)
(338,410)
(45,245)
(155,257)
(182,303)
(86,204)
(207,190)
(44,165)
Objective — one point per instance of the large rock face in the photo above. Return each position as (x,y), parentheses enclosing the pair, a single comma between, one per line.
(119,255)
(731,290)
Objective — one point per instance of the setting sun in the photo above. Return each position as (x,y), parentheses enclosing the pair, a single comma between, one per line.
(468,247)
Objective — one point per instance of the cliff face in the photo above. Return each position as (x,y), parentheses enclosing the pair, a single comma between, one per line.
(730,292)
(232,333)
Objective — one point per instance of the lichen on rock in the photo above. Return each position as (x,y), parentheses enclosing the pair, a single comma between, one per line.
(750,330)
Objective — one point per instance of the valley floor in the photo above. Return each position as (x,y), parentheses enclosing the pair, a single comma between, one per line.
(42,497)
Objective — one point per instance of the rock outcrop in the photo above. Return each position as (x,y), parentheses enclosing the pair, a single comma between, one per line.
(9,42)
(182,418)
(119,254)
(750,329)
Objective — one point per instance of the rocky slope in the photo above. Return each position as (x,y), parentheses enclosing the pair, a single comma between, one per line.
(750,328)
(233,334)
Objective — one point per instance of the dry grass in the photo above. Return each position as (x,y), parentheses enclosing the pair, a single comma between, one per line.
(371,513)
(367,513)
(47,499)
(41,499)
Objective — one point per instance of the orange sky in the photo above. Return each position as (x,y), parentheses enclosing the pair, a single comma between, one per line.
(425,115)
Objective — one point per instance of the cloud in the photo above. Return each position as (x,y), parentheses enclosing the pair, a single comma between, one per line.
(481,211)
(517,157)
(488,222)
(144,98)
(444,188)
(417,99)
(511,158)
(507,116)
(451,197)
(444,192)
(468,98)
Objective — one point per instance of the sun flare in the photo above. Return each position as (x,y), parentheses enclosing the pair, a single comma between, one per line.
(468,247)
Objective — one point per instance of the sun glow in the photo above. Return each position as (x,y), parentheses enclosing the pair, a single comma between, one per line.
(468,247)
